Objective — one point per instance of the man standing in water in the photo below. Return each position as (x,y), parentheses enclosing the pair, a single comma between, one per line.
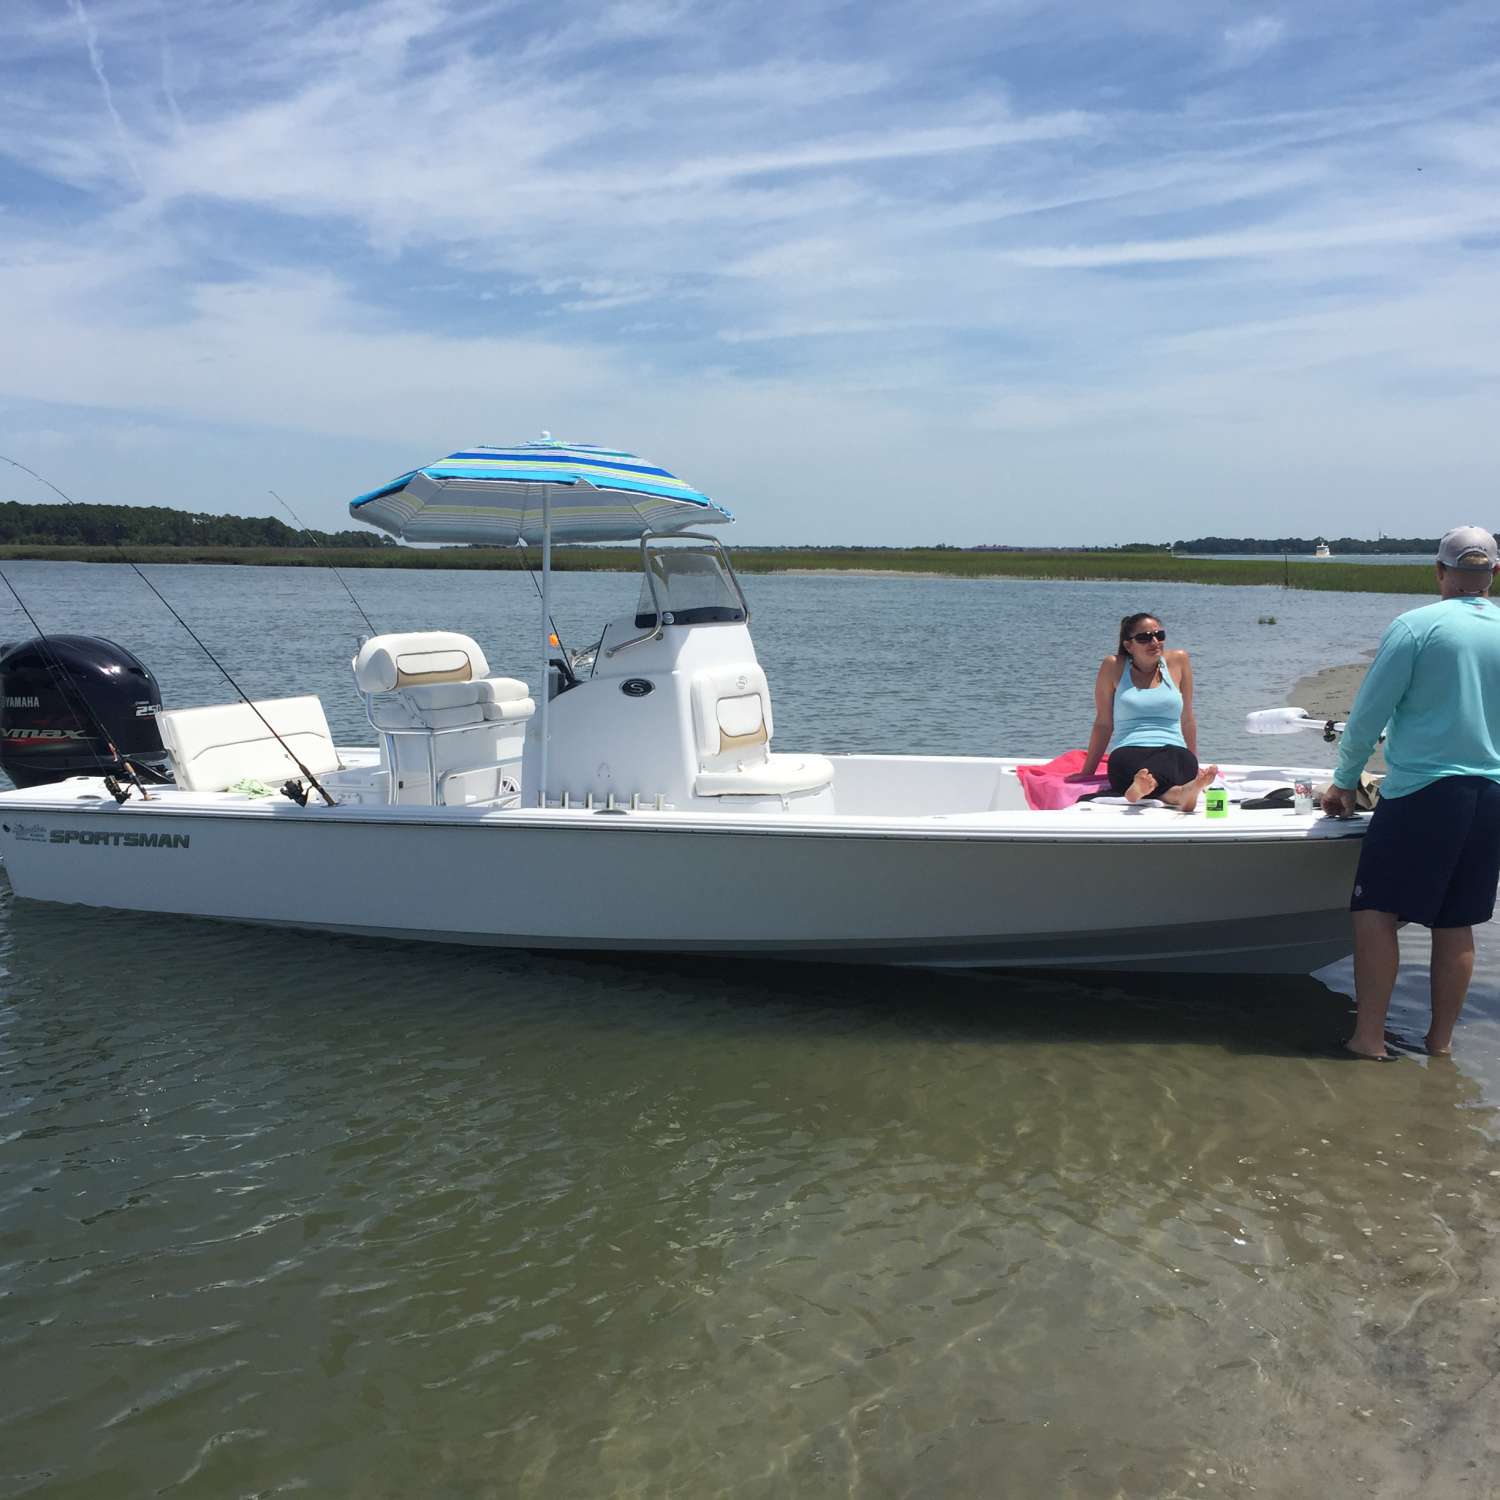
(1432,852)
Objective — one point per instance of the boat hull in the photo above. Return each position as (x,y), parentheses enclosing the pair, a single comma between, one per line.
(971,897)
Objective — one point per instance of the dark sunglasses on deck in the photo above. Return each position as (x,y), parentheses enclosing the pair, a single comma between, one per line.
(1145,637)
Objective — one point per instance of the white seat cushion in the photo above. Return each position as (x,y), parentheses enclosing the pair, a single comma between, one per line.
(429,695)
(742,721)
(212,748)
(451,718)
(775,776)
(731,713)
(387,662)
(502,690)
(398,713)
(509,712)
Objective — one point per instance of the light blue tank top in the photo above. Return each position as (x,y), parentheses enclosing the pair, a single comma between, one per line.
(1147,716)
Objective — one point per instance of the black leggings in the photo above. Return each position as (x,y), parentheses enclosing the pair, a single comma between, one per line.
(1170,764)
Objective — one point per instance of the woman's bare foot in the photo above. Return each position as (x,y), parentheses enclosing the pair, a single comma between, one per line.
(1185,797)
(1143,785)
(1444,1051)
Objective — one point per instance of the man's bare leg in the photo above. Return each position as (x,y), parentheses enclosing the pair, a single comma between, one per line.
(1452,969)
(1377,956)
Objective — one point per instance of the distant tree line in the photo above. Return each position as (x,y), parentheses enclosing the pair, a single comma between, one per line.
(1343,545)
(88,525)
(84,525)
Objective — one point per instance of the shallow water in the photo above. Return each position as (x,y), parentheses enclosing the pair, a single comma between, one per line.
(289,1211)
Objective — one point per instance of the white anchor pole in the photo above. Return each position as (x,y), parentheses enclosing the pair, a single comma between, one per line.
(546,626)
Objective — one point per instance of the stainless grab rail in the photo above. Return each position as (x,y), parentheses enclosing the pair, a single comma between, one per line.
(430,732)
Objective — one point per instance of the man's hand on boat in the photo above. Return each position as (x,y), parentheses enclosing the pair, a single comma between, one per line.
(1338,802)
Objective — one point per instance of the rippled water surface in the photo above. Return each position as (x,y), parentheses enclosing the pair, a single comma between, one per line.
(284,1211)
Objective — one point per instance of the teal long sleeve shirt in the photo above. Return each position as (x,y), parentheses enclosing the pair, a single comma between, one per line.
(1434,687)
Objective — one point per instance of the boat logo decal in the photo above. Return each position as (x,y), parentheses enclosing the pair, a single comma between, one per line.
(21,702)
(31,833)
(636,687)
(121,840)
(45,738)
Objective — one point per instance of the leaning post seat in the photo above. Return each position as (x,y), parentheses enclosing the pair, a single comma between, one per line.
(433,687)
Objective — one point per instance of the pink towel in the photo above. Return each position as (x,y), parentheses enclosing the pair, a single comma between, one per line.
(1048,787)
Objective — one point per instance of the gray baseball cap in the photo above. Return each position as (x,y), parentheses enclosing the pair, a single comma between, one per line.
(1463,542)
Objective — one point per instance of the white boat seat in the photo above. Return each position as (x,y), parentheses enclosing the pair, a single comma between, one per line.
(775,776)
(417,658)
(212,748)
(451,727)
(435,679)
(732,727)
(731,716)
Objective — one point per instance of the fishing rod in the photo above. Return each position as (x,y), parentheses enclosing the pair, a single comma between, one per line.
(248,701)
(67,688)
(244,696)
(312,536)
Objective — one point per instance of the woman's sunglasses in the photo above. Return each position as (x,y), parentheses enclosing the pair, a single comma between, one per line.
(1145,637)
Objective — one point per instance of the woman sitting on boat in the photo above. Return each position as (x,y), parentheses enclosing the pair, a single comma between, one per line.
(1143,715)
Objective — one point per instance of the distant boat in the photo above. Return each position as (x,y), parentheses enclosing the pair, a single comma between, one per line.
(1321,550)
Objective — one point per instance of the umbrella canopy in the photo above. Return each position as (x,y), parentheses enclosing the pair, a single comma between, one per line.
(496,495)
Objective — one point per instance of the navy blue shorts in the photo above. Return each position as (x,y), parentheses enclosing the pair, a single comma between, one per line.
(1433,856)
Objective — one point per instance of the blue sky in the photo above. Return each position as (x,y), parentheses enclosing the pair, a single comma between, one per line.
(887,273)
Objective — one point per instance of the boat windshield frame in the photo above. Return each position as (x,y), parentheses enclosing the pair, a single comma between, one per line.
(663,617)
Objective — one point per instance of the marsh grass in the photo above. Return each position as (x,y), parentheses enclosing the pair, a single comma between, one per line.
(1353,578)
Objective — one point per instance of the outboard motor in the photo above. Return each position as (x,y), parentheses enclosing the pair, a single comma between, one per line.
(64,698)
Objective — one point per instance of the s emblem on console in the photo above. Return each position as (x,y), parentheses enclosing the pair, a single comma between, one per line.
(636,687)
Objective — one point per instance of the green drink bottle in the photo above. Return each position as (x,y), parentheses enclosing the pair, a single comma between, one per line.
(1216,800)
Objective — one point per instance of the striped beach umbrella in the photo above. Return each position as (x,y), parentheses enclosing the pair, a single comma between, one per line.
(537,492)
(505,496)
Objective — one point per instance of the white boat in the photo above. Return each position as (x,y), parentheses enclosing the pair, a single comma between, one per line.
(649,807)
(1321,550)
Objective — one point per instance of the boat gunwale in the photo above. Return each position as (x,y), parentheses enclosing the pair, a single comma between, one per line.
(1111,829)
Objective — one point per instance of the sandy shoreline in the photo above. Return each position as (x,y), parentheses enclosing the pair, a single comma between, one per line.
(855,573)
(1329,694)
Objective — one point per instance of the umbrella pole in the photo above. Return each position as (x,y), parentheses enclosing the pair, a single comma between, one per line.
(546,629)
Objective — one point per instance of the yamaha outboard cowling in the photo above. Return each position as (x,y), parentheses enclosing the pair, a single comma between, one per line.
(64,699)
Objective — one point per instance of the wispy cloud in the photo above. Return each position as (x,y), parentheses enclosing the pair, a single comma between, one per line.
(395,225)
(96,62)
(1248,40)
(1268,244)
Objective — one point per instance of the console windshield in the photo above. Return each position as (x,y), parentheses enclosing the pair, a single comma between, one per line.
(693,588)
